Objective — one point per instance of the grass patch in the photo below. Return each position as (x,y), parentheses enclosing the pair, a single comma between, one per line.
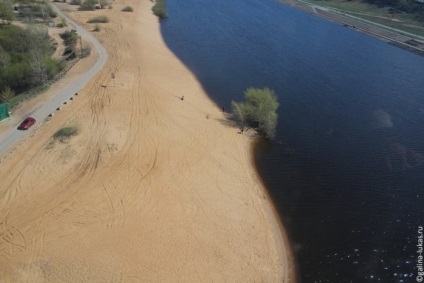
(159,9)
(127,9)
(98,19)
(66,133)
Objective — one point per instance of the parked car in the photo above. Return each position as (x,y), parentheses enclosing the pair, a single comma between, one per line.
(27,123)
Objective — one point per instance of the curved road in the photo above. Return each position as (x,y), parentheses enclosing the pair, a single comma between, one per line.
(14,135)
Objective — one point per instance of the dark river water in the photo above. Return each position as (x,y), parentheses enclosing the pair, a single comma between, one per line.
(346,168)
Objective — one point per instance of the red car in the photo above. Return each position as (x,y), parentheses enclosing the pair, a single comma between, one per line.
(27,123)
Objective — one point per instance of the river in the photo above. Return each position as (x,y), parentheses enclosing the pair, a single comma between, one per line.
(346,168)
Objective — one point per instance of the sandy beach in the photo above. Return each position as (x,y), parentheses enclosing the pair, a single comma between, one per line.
(153,189)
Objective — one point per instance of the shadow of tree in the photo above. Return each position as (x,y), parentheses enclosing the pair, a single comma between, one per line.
(228,121)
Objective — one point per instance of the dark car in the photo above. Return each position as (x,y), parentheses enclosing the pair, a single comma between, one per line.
(27,123)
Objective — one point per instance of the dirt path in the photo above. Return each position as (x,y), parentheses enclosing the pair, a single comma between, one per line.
(151,190)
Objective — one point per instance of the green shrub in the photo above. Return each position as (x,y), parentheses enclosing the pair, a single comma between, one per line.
(127,9)
(51,12)
(159,9)
(98,19)
(88,5)
(96,27)
(52,67)
(85,52)
(6,95)
(259,111)
(66,133)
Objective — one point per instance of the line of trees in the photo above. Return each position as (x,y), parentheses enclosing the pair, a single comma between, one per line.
(258,111)
(407,6)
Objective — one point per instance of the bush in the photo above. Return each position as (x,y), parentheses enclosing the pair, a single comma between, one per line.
(96,27)
(66,133)
(159,9)
(52,13)
(88,5)
(127,9)
(70,38)
(85,52)
(104,3)
(6,95)
(98,19)
(259,111)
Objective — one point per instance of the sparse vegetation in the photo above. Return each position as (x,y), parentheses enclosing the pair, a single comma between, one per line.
(63,22)
(66,133)
(96,27)
(6,11)
(259,111)
(98,19)
(75,2)
(87,5)
(127,9)
(159,9)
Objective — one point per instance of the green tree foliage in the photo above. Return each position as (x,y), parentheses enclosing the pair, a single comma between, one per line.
(159,9)
(25,58)
(70,39)
(6,95)
(407,6)
(6,11)
(259,111)
(40,49)
(4,57)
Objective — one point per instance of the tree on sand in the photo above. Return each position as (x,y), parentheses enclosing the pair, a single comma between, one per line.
(259,111)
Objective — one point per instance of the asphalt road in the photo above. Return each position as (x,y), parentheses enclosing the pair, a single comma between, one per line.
(13,135)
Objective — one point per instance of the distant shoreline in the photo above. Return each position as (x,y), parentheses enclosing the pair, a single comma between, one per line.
(402,41)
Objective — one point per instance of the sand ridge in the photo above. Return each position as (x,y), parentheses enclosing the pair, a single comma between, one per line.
(153,189)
